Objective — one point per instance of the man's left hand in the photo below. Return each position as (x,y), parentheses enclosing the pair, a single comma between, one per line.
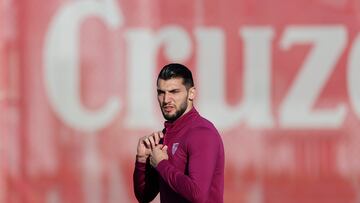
(158,153)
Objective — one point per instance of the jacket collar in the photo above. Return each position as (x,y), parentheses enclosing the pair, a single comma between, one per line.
(181,122)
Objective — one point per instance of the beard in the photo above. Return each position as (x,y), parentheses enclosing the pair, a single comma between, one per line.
(179,112)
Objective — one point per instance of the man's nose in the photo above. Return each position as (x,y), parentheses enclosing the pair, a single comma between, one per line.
(167,98)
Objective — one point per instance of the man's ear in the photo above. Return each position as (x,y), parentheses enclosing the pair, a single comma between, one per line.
(192,93)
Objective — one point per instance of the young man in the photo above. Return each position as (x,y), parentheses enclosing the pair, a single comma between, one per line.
(185,161)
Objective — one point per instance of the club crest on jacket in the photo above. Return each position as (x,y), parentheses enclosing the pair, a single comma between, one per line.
(174,148)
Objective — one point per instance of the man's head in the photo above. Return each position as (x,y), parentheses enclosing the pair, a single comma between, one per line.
(175,90)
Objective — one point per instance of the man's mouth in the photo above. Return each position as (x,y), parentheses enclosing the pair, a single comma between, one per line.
(168,108)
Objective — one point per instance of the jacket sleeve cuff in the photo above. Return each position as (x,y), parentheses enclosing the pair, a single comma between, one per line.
(162,166)
(140,166)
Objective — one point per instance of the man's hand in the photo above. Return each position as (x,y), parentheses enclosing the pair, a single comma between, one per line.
(158,153)
(145,145)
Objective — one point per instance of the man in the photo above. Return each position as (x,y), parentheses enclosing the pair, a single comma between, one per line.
(185,161)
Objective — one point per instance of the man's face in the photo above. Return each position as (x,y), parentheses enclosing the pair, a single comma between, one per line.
(174,98)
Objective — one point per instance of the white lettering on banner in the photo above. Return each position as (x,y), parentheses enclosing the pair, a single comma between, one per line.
(353,76)
(61,61)
(141,64)
(296,109)
(255,108)
(143,47)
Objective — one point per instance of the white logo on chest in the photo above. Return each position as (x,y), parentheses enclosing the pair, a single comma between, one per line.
(174,148)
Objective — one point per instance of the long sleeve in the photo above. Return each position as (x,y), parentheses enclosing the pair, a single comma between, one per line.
(203,147)
(146,185)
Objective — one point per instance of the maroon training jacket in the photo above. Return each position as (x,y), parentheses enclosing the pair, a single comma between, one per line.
(195,169)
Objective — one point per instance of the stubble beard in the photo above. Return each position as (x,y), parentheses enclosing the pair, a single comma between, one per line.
(177,113)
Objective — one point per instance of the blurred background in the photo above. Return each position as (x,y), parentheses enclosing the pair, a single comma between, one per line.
(280,79)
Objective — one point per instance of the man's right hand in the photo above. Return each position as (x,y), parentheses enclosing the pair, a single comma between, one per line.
(145,145)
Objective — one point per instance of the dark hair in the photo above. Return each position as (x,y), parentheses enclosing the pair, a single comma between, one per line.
(176,70)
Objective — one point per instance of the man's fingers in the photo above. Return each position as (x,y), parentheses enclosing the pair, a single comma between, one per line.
(157,137)
(147,142)
(164,149)
(152,141)
(159,146)
(161,134)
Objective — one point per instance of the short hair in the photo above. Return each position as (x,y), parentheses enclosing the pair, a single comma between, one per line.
(176,70)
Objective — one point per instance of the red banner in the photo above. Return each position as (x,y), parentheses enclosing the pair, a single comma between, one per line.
(280,80)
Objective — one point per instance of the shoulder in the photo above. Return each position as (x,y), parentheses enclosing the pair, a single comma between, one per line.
(202,131)
(202,124)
